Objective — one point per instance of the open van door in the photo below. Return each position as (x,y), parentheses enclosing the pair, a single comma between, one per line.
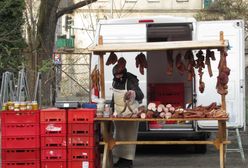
(235,99)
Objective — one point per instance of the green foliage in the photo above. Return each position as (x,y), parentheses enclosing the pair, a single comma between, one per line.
(46,66)
(11,31)
(225,10)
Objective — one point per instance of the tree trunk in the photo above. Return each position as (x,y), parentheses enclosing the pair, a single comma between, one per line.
(47,21)
(45,38)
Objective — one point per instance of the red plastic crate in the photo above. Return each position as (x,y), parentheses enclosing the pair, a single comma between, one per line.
(53,115)
(53,154)
(23,164)
(54,164)
(81,141)
(53,129)
(20,154)
(21,129)
(53,141)
(82,115)
(80,154)
(14,117)
(81,129)
(21,142)
(167,93)
(83,164)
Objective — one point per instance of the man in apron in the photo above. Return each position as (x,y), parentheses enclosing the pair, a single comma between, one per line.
(127,96)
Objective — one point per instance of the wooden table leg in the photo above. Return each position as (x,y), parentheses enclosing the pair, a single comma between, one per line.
(107,139)
(222,156)
(222,147)
(105,156)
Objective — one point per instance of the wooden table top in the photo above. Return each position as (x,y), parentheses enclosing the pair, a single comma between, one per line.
(155,119)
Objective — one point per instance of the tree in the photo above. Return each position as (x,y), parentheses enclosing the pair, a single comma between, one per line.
(43,35)
(225,10)
(11,40)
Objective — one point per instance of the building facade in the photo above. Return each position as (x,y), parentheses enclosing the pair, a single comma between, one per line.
(81,24)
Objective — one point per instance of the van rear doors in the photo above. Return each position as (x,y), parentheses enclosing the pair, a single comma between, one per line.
(235,99)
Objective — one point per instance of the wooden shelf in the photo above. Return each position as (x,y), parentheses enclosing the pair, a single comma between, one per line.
(158,46)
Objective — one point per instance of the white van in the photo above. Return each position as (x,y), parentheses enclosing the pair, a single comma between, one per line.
(168,28)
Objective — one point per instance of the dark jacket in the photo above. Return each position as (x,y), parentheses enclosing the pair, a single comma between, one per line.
(132,84)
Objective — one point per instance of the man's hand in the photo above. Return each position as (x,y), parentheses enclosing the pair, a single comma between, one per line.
(130,95)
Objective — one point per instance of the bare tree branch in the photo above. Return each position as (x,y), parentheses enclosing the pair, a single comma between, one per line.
(70,9)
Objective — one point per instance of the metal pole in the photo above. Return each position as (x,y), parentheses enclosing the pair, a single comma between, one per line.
(36,86)
(40,103)
(1,92)
(26,86)
(240,145)
(18,86)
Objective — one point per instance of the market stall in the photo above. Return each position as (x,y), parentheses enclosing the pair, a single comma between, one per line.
(219,115)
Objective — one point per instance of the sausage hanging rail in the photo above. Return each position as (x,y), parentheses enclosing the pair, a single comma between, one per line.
(158,46)
(100,49)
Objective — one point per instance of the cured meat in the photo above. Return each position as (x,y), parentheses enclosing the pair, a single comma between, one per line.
(179,64)
(217,113)
(223,76)
(208,63)
(193,114)
(170,62)
(190,64)
(95,80)
(112,59)
(141,62)
(141,69)
(201,86)
(200,65)
(151,106)
(149,114)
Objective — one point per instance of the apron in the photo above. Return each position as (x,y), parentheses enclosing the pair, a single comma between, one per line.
(120,104)
(124,131)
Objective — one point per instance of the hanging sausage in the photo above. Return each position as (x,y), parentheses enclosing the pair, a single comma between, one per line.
(190,64)
(170,62)
(200,65)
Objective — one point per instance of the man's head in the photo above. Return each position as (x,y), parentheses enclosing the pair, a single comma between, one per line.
(119,72)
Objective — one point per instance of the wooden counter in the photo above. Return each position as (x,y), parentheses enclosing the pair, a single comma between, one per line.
(109,143)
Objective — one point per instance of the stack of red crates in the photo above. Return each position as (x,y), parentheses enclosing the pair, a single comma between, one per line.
(53,123)
(82,137)
(20,139)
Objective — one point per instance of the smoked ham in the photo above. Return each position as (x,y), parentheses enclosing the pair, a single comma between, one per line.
(112,59)
(223,76)
(141,62)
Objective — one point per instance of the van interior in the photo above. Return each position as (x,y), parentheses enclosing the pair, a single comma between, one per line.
(162,88)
